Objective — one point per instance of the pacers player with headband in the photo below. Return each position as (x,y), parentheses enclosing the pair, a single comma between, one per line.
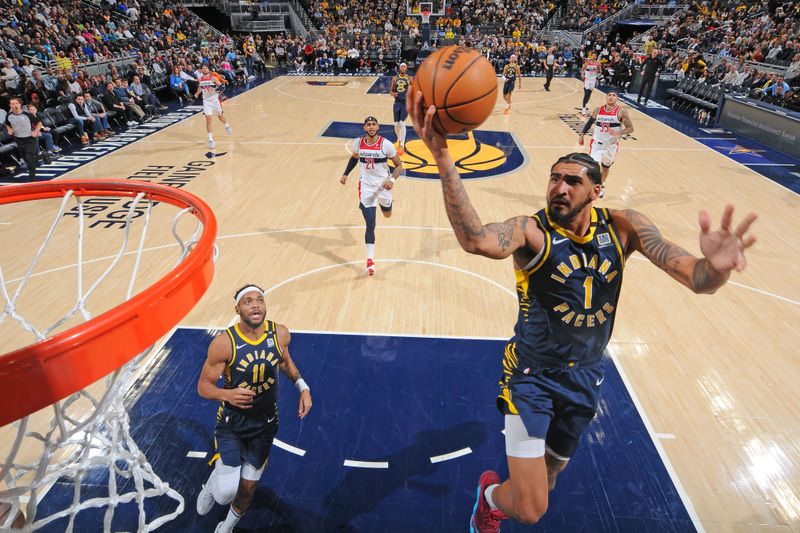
(248,355)
(611,122)
(398,90)
(372,152)
(207,84)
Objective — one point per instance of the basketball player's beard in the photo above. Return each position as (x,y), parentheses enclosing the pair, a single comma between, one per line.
(251,324)
(563,219)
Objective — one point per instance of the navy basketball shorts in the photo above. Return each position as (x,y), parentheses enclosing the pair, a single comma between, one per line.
(508,86)
(400,111)
(243,439)
(555,404)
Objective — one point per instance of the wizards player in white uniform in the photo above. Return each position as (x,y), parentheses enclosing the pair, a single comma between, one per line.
(248,355)
(398,90)
(611,121)
(568,261)
(589,74)
(372,152)
(207,85)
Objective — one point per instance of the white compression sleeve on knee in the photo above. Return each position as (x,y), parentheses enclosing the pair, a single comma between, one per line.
(224,482)
(518,443)
(402,134)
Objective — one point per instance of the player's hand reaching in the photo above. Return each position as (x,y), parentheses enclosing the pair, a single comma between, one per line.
(305,403)
(423,123)
(239,397)
(724,248)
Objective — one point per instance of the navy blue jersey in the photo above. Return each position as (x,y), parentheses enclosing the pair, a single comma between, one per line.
(567,295)
(254,366)
(400,86)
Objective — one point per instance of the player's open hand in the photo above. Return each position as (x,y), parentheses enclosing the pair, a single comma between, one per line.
(423,123)
(305,403)
(343,179)
(240,397)
(724,248)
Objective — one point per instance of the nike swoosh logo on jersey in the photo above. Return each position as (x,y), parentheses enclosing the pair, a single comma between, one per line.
(557,241)
(270,420)
(240,347)
(599,381)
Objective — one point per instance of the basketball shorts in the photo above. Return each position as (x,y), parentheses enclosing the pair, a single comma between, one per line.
(212,107)
(372,196)
(555,404)
(604,153)
(589,84)
(508,86)
(399,111)
(243,439)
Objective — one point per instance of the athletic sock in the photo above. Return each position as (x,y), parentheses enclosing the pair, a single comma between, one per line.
(231,520)
(488,495)
(371,251)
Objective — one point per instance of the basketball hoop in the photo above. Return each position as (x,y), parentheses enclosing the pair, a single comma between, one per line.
(426,16)
(55,370)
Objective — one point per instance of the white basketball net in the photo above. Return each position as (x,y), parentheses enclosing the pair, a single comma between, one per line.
(77,443)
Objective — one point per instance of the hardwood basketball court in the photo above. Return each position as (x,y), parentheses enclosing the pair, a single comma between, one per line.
(715,376)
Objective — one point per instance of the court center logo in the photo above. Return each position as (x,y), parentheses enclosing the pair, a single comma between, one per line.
(477,154)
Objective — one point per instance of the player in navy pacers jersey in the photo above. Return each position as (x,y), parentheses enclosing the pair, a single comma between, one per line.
(248,355)
(568,261)
(511,78)
(398,90)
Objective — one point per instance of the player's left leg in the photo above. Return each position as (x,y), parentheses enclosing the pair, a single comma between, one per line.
(401,112)
(221,117)
(255,451)
(587,94)
(369,235)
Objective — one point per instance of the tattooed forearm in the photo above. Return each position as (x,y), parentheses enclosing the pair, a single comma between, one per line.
(463,217)
(706,279)
(660,251)
(491,240)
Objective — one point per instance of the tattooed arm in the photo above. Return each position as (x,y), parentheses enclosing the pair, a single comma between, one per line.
(723,250)
(625,118)
(496,240)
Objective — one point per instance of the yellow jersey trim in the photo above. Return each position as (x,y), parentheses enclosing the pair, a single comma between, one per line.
(571,236)
(233,347)
(506,397)
(546,253)
(248,341)
(613,234)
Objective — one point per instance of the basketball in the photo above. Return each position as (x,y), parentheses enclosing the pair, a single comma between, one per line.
(461,83)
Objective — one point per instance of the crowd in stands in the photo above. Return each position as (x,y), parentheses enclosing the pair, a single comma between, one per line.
(87,70)
(142,51)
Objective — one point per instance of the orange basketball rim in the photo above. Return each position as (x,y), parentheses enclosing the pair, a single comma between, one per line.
(51,369)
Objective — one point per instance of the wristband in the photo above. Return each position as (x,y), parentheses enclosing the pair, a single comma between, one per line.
(392,179)
(301,385)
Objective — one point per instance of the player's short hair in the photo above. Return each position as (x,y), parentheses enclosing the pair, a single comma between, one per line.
(371,119)
(585,160)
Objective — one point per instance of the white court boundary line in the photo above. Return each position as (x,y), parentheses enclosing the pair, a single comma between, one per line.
(452,455)
(654,436)
(365,464)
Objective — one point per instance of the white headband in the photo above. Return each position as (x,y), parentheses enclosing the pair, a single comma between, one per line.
(246,290)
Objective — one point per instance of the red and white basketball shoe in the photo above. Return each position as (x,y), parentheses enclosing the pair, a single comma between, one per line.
(484,519)
(370,267)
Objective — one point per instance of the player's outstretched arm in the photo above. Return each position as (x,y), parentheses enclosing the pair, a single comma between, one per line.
(219,351)
(723,249)
(496,240)
(290,370)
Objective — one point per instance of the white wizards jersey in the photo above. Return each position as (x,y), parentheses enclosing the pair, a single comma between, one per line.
(590,73)
(607,125)
(373,159)
(208,88)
